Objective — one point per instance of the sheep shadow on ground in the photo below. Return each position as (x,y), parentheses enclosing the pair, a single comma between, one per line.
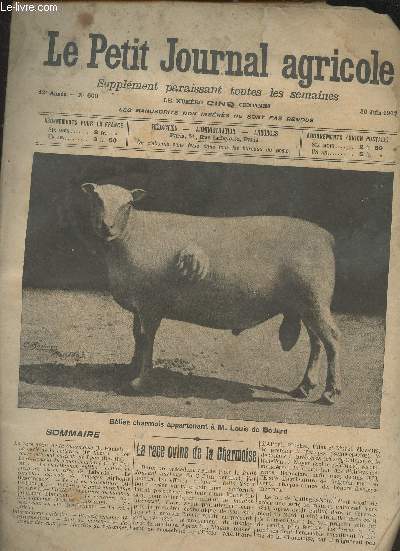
(114,379)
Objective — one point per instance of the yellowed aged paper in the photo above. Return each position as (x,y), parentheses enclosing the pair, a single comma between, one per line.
(199,278)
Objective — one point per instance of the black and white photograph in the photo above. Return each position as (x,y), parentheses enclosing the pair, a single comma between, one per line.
(205,290)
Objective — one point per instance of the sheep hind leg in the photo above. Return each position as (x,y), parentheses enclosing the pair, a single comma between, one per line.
(148,329)
(321,322)
(311,376)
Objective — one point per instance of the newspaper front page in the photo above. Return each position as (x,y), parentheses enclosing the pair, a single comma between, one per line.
(199,278)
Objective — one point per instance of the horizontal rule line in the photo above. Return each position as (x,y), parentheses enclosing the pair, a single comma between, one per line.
(224,153)
(197,438)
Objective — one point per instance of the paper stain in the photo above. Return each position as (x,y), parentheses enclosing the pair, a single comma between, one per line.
(35,453)
(73,496)
(85,19)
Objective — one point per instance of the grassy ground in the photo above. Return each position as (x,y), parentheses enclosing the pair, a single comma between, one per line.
(75,347)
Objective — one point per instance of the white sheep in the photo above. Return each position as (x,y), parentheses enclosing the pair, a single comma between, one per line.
(225,273)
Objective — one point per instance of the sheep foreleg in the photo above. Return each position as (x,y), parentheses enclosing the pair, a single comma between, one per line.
(148,324)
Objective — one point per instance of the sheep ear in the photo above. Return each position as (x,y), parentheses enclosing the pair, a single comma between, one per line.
(137,195)
(88,188)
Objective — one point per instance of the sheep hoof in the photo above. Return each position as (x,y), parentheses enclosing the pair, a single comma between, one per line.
(300,393)
(134,369)
(138,384)
(329,396)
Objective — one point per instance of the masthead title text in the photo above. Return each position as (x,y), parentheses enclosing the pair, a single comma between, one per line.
(133,55)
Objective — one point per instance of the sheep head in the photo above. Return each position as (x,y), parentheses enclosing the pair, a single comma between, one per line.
(110,206)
